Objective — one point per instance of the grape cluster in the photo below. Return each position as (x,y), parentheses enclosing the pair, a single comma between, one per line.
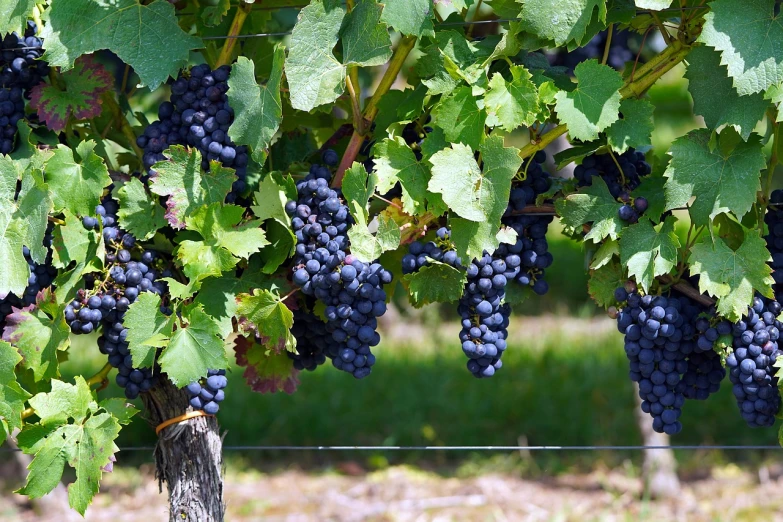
(527,259)
(198,115)
(774,221)
(313,342)
(351,289)
(633,165)
(20,70)
(207,394)
(751,363)
(41,276)
(654,329)
(705,371)
(484,316)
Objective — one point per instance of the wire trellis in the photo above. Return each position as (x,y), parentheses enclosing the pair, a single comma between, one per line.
(693,447)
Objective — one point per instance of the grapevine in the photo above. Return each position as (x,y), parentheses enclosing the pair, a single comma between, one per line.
(268,185)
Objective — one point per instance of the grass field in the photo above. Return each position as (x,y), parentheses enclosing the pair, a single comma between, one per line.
(564,382)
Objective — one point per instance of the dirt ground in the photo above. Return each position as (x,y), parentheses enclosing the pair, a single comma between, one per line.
(401,494)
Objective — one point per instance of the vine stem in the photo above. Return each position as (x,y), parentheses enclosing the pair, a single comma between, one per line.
(774,160)
(353,92)
(28,412)
(608,44)
(101,376)
(236,27)
(371,109)
(686,289)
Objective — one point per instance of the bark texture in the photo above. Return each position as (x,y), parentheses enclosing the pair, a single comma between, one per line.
(659,470)
(188,457)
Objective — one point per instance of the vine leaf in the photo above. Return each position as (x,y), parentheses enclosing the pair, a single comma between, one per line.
(273,193)
(655,5)
(23,222)
(148,329)
(460,117)
(80,99)
(38,332)
(720,181)
(634,129)
(146,37)
(258,109)
(14,15)
(266,371)
(76,182)
(775,95)
(314,75)
(652,189)
(368,246)
(511,104)
(224,241)
(366,39)
(562,22)
(595,103)
(593,204)
(479,198)
(732,276)
(212,15)
(139,214)
(716,99)
(411,17)
(435,283)
(218,298)
(358,187)
(186,185)
(12,396)
(750,39)
(604,281)
(395,162)
(86,444)
(72,243)
(647,252)
(193,349)
(267,315)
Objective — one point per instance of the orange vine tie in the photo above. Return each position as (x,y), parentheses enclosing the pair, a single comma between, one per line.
(185,416)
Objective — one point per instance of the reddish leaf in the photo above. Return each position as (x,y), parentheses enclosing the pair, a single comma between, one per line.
(81,99)
(265,370)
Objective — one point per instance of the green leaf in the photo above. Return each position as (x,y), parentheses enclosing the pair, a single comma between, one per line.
(120,409)
(461,118)
(605,254)
(593,204)
(563,21)
(273,193)
(652,189)
(732,276)
(266,371)
(647,252)
(715,98)
(38,334)
(186,185)
(315,77)
(12,396)
(365,37)
(775,95)
(271,319)
(258,110)
(213,14)
(721,182)
(14,15)
(750,39)
(218,298)
(475,195)
(146,37)
(87,444)
(604,281)
(148,329)
(367,246)
(595,103)
(655,5)
(358,187)
(72,243)
(77,182)
(139,214)
(194,349)
(511,104)
(411,17)
(23,222)
(435,283)
(225,240)
(634,128)
(79,98)
(396,162)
